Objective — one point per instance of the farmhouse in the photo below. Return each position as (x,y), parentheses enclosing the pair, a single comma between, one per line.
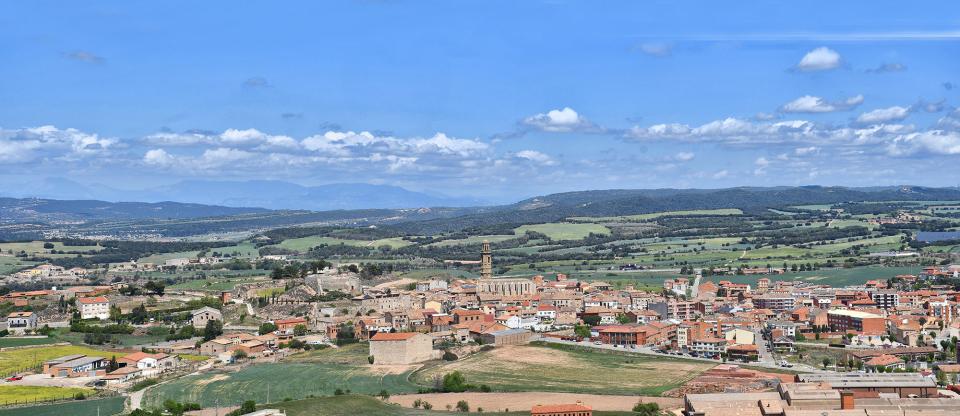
(401,348)
(94,308)
(200,317)
(285,326)
(20,322)
(149,364)
(78,365)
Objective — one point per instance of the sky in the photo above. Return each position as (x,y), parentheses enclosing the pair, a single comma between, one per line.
(497,100)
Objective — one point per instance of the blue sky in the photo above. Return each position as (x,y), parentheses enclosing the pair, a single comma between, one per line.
(493,99)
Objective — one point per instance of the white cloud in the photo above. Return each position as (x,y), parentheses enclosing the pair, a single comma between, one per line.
(762,162)
(884,115)
(812,104)
(535,156)
(560,121)
(937,142)
(720,174)
(684,156)
(803,151)
(51,143)
(819,59)
(158,157)
(657,49)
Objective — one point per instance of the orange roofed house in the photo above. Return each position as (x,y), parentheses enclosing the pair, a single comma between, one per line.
(577,409)
(401,348)
(94,307)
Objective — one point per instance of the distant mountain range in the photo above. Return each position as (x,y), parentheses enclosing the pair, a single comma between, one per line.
(28,217)
(259,194)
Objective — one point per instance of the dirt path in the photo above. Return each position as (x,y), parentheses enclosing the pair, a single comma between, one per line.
(396,283)
(524,401)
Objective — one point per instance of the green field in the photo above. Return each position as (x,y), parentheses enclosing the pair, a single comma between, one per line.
(13,394)
(305,243)
(317,373)
(477,239)
(655,215)
(7,342)
(10,264)
(561,368)
(36,248)
(563,230)
(98,407)
(13,361)
(833,277)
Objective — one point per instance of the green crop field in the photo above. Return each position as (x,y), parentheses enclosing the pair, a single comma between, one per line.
(10,264)
(563,230)
(7,342)
(13,394)
(317,373)
(97,407)
(12,361)
(833,277)
(561,368)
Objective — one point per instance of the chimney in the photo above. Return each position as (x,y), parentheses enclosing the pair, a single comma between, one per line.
(846,400)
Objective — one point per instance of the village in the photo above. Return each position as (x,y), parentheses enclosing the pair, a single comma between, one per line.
(885,340)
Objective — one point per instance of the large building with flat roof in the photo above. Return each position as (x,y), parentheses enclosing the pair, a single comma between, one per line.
(858,321)
(902,384)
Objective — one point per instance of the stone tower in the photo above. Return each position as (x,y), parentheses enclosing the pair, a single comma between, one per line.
(486,261)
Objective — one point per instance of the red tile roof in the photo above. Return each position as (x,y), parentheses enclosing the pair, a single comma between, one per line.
(98,299)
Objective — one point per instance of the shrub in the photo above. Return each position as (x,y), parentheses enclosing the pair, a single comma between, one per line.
(449,356)
(370,359)
(463,406)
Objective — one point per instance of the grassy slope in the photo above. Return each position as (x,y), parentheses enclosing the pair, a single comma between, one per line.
(364,405)
(314,373)
(106,407)
(10,394)
(564,231)
(569,369)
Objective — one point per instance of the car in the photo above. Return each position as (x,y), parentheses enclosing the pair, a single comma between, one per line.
(597,343)
(15,378)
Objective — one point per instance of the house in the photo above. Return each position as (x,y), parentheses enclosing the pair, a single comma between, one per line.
(215,346)
(285,326)
(122,375)
(150,364)
(252,348)
(401,348)
(709,346)
(886,361)
(577,409)
(94,307)
(20,322)
(200,317)
(77,365)
(745,353)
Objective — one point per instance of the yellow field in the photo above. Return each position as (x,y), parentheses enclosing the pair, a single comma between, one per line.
(17,360)
(12,393)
